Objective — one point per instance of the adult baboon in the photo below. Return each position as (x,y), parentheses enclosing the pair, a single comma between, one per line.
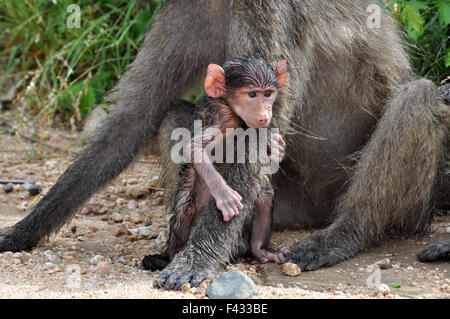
(365,137)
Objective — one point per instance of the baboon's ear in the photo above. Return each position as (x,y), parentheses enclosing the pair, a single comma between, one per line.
(215,81)
(281,72)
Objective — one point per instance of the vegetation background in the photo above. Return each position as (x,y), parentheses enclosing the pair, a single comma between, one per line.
(66,71)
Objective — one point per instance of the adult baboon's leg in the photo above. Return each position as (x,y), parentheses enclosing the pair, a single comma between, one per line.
(393,185)
(179,116)
(172,57)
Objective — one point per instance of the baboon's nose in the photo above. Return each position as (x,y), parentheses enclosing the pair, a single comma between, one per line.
(264,120)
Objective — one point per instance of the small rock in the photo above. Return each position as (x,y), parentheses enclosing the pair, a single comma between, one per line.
(141,231)
(120,201)
(448,230)
(205,284)
(33,189)
(232,285)
(136,218)
(23,256)
(103,268)
(48,266)
(383,263)
(96,259)
(8,188)
(119,230)
(157,201)
(185,287)
(95,207)
(383,289)
(136,191)
(132,204)
(200,292)
(117,217)
(50,256)
(291,269)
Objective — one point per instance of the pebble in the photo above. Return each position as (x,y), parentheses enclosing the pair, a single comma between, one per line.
(33,189)
(136,191)
(232,285)
(185,287)
(291,269)
(96,259)
(120,201)
(200,292)
(8,188)
(157,201)
(132,204)
(103,268)
(383,289)
(119,230)
(383,263)
(117,217)
(141,231)
(23,256)
(205,284)
(448,230)
(48,266)
(136,218)
(50,256)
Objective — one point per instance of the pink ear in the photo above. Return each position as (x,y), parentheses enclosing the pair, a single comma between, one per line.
(281,72)
(215,81)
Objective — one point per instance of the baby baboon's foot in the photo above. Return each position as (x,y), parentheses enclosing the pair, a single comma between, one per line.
(268,256)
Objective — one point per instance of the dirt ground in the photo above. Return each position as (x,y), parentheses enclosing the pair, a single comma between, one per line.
(98,254)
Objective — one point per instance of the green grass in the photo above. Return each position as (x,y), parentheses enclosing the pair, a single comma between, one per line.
(66,72)
(69,70)
(427,25)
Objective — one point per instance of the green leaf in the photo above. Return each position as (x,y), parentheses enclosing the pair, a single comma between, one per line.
(419,5)
(395,284)
(447,59)
(444,11)
(88,100)
(413,20)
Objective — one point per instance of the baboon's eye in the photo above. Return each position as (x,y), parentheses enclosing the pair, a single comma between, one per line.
(268,93)
(252,94)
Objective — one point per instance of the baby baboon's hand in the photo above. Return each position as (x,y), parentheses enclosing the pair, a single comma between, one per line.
(277,147)
(228,201)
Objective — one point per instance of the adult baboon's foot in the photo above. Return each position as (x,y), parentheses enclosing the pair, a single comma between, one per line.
(319,251)
(186,267)
(155,262)
(9,241)
(435,251)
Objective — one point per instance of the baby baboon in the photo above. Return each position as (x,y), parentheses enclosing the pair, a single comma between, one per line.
(365,138)
(240,94)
